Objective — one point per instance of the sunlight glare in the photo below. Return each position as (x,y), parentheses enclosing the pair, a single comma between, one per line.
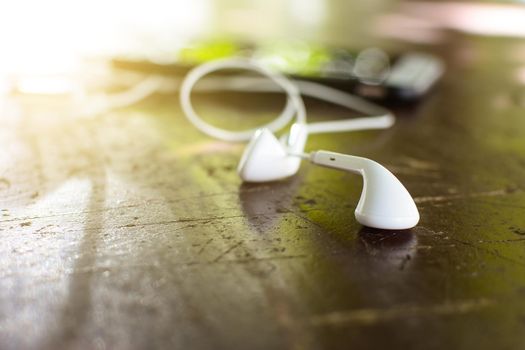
(51,37)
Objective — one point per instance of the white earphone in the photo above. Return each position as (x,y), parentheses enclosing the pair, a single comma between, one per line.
(385,203)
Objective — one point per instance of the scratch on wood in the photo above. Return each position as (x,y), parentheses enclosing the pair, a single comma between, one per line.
(204,246)
(154,265)
(422,230)
(227,251)
(26,218)
(44,227)
(168,222)
(444,198)
(247,260)
(372,316)
(512,240)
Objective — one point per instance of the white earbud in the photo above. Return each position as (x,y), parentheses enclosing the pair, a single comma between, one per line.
(384,203)
(267,159)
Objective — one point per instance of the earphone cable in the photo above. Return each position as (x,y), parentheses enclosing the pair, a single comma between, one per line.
(380,117)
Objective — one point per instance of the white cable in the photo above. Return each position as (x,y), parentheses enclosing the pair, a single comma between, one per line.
(294,104)
(102,103)
(381,118)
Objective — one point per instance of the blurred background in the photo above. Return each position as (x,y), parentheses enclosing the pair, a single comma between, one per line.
(56,38)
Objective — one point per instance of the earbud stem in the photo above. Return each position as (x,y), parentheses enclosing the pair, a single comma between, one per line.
(338,161)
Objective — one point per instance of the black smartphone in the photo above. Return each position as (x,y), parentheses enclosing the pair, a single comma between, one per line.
(371,73)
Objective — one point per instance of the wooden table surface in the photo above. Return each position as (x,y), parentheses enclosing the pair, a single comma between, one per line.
(132,230)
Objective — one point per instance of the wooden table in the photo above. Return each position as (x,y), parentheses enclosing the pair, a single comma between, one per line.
(131,229)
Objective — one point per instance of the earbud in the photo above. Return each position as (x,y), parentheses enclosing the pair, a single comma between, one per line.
(385,203)
(267,159)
